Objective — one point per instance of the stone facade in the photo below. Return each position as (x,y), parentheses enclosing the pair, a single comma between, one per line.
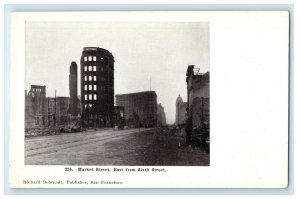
(97,87)
(140,108)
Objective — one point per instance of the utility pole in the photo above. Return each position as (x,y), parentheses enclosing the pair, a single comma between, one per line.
(54,118)
(202,113)
(48,113)
(150,83)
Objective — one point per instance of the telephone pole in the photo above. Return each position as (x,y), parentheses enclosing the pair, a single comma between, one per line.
(48,113)
(54,118)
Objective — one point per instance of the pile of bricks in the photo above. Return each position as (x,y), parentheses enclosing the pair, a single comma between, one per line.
(41,131)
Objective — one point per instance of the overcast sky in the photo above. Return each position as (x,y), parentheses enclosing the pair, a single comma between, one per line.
(160,51)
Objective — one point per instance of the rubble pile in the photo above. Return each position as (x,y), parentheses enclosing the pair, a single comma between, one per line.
(41,131)
(171,131)
(44,131)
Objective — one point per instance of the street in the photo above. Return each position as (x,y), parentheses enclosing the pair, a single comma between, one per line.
(131,147)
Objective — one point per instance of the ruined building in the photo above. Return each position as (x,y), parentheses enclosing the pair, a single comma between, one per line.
(58,109)
(73,108)
(140,108)
(181,113)
(198,97)
(97,87)
(161,116)
(35,106)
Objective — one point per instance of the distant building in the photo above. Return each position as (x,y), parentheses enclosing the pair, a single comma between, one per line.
(181,113)
(73,108)
(35,106)
(161,116)
(198,97)
(119,117)
(97,87)
(140,108)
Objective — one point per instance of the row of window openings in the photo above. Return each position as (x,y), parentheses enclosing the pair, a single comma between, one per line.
(90,87)
(90,78)
(91,58)
(91,68)
(90,97)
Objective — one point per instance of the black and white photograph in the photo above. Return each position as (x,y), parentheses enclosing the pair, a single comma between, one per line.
(117,93)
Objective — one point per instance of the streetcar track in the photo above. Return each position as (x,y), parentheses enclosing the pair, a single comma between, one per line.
(45,143)
(54,150)
(53,137)
(63,141)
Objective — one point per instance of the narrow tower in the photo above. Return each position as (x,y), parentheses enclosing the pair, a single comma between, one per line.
(73,110)
(178,106)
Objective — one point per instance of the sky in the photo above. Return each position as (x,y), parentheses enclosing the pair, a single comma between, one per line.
(160,51)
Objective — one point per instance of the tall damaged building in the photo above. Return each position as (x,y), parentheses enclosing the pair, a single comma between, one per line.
(97,87)
(198,97)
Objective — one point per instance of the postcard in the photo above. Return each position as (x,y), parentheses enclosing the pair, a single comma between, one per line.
(161,99)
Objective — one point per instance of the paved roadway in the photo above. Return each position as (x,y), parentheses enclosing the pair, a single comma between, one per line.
(111,147)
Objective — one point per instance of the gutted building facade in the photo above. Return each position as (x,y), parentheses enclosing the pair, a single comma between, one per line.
(198,97)
(97,87)
(62,105)
(140,108)
(57,109)
(35,106)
